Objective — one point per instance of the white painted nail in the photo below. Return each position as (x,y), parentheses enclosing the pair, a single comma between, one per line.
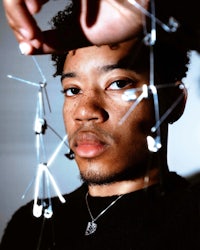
(25,48)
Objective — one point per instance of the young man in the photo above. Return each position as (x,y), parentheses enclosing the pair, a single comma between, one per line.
(129,199)
(132,202)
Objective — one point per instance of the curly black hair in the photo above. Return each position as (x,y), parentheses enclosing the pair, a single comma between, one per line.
(60,21)
(170,62)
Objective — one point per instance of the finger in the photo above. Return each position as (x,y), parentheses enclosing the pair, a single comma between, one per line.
(34,6)
(21,21)
(57,42)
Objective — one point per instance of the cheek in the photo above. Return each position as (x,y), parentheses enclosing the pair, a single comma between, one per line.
(140,119)
(131,136)
(64,113)
(147,114)
(117,109)
(67,115)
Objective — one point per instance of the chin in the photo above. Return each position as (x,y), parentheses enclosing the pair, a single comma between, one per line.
(96,177)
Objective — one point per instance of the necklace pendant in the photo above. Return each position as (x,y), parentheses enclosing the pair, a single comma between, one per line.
(91,228)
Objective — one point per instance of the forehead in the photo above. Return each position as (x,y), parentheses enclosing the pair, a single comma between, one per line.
(127,55)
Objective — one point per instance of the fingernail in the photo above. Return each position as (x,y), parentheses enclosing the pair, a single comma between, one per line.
(25,48)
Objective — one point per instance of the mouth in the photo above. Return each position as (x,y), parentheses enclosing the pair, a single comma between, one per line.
(88,145)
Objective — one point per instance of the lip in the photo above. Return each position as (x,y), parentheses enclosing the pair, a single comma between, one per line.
(89,145)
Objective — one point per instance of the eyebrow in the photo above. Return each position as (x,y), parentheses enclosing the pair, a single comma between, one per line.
(110,67)
(105,68)
(67,75)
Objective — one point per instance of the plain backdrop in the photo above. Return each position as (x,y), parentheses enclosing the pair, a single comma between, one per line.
(17,113)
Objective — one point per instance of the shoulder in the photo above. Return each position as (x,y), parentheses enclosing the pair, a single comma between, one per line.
(25,227)
(182,198)
(181,188)
(26,211)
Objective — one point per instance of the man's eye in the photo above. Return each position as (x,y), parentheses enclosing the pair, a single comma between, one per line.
(71,91)
(121,84)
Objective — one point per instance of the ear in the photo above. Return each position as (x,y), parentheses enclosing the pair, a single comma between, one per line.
(172,101)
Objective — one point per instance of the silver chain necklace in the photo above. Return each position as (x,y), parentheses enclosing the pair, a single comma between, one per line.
(92,226)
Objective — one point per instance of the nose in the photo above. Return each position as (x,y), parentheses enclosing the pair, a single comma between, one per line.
(90,109)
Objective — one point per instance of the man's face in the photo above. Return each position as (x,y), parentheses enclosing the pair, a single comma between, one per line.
(94,79)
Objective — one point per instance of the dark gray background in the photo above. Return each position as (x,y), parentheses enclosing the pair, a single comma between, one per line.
(17,113)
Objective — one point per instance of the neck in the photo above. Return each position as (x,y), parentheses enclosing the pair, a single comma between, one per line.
(124,187)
